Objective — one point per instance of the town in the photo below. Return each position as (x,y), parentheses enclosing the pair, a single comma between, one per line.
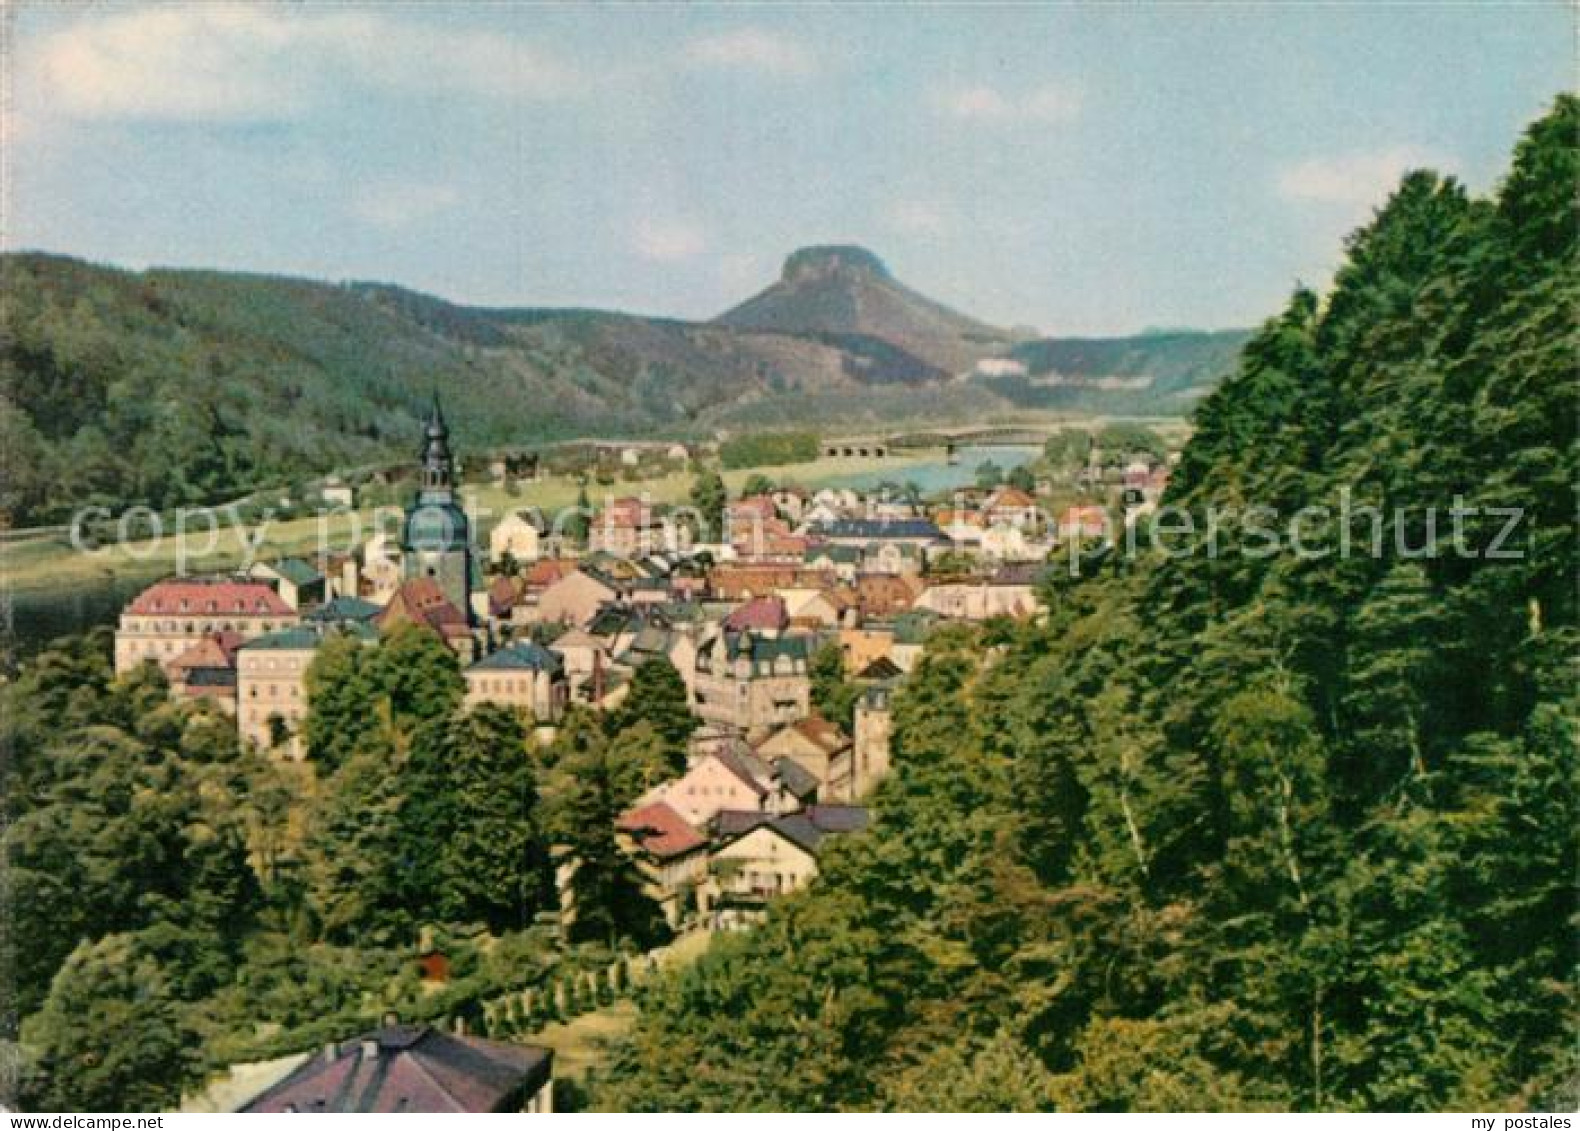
(555,614)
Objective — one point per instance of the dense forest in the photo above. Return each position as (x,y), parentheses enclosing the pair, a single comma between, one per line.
(170,388)
(176,902)
(1248,830)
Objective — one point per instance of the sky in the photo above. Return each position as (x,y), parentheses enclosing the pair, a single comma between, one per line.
(1079,169)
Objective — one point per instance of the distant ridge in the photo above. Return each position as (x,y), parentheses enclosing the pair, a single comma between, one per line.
(172,387)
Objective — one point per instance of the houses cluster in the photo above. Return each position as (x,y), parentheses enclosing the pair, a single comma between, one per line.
(547,621)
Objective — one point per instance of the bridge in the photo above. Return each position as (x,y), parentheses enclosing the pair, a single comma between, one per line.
(873,447)
(1008,435)
(855,449)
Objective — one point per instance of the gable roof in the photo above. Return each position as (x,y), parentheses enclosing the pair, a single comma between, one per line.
(421,601)
(410,1068)
(660,831)
(880,670)
(752,770)
(759,613)
(796,778)
(213,650)
(809,827)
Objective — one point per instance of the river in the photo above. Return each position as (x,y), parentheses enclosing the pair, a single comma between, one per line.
(939,474)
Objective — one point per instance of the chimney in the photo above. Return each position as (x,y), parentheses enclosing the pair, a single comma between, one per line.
(391,1019)
(370,1048)
(331,1050)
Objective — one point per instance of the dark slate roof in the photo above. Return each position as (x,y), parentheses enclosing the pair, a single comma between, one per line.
(806,829)
(290,639)
(796,778)
(296,571)
(411,1068)
(728,824)
(879,530)
(1020,573)
(524,655)
(762,649)
(741,762)
(344,609)
(880,670)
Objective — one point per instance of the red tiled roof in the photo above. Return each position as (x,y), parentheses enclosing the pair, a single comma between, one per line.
(546,571)
(731,582)
(213,650)
(760,506)
(422,601)
(1010,497)
(881,594)
(210,598)
(759,613)
(660,830)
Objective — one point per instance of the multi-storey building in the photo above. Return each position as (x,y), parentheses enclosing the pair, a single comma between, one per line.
(171,616)
(752,682)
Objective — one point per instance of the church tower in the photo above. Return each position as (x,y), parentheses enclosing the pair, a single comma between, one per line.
(436,541)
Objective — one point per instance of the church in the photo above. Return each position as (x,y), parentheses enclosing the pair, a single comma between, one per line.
(436,539)
(438,563)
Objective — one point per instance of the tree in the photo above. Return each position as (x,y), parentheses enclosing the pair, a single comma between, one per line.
(708,499)
(833,695)
(1021,478)
(577,525)
(989,474)
(657,696)
(341,695)
(757,484)
(589,789)
(418,675)
(355,847)
(471,841)
(110,1036)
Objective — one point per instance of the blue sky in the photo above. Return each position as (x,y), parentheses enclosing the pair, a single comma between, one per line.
(1074,168)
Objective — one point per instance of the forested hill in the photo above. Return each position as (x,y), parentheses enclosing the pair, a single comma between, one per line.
(1256,830)
(178,387)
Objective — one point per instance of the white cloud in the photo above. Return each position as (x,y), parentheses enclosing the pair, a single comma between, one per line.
(1357,179)
(1049,104)
(917,218)
(397,204)
(668,241)
(753,49)
(214,63)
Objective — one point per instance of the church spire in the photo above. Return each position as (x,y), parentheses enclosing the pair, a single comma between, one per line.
(438,466)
